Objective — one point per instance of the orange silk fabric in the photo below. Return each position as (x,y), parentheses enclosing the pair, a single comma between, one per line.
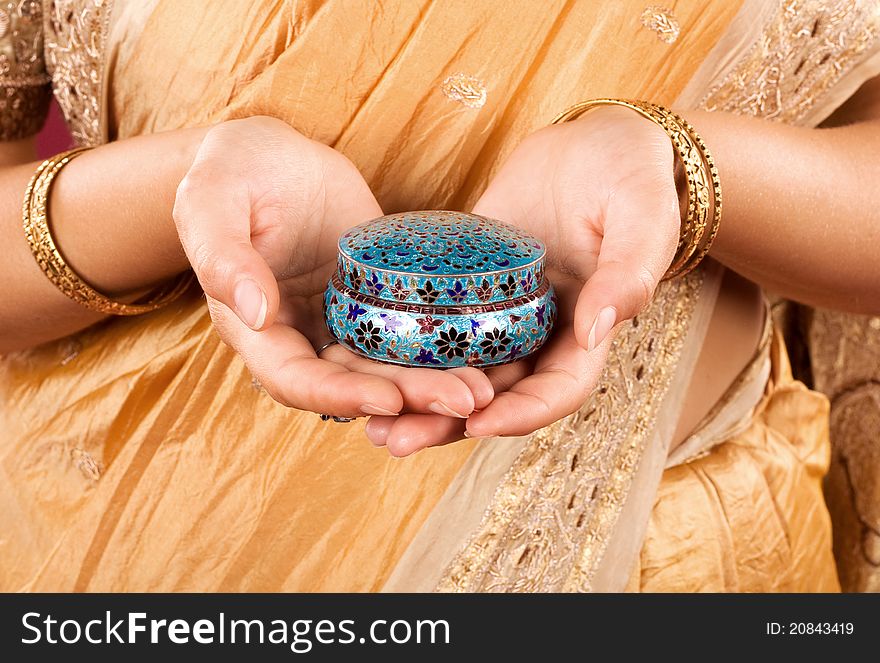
(749,516)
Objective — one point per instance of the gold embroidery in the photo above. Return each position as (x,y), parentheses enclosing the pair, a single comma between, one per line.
(21,43)
(466,90)
(76,34)
(24,90)
(845,361)
(805,50)
(855,420)
(662,22)
(4,22)
(554,510)
(86,464)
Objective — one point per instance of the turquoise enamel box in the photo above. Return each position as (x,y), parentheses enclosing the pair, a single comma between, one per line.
(440,289)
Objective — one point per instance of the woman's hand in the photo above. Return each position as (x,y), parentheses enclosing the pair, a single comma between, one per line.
(259,214)
(600,192)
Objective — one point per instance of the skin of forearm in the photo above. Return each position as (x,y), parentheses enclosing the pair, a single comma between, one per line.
(801,207)
(801,218)
(111,217)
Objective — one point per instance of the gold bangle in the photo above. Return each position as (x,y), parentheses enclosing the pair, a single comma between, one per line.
(35,220)
(709,164)
(702,184)
(701,168)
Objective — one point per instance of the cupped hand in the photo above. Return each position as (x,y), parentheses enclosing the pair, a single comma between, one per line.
(600,192)
(259,214)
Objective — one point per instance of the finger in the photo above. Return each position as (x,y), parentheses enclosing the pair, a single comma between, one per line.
(410,433)
(424,390)
(479,384)
(284,362)
(215,233)
(505,376)
(378,428)
(564,376)
(639,241)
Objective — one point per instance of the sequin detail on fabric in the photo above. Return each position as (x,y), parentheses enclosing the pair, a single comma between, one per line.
(467,90)
(807,47)
(662,22)
(24,84)
(76,35)
(845,362)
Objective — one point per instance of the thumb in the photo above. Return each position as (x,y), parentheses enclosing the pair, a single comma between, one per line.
(636,250)
(616,292)
(216,238)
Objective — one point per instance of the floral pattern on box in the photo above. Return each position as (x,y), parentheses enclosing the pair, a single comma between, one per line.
(445,337)
(441,289)
(444,258)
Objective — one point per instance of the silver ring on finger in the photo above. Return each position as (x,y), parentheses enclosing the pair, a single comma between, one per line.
(325,346)
(338,420)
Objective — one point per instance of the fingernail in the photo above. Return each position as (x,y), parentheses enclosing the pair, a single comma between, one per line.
(251,303)
(602,325)
(375,409)
(439,407)
(467,434)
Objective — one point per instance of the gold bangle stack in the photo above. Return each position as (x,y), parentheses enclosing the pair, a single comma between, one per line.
(702,184)
(35,219)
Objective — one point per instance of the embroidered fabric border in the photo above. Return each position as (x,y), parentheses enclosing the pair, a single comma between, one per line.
(804,51)
(553,512)
(24,89)
(845,361)
(75,35)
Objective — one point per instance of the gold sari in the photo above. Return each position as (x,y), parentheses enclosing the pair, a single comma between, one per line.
(140,455)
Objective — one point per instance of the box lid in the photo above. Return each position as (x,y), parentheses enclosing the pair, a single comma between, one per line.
(440,258)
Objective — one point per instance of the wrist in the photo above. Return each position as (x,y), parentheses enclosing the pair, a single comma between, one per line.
(709,126)
(181,160)
(111,211)
(700,219)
